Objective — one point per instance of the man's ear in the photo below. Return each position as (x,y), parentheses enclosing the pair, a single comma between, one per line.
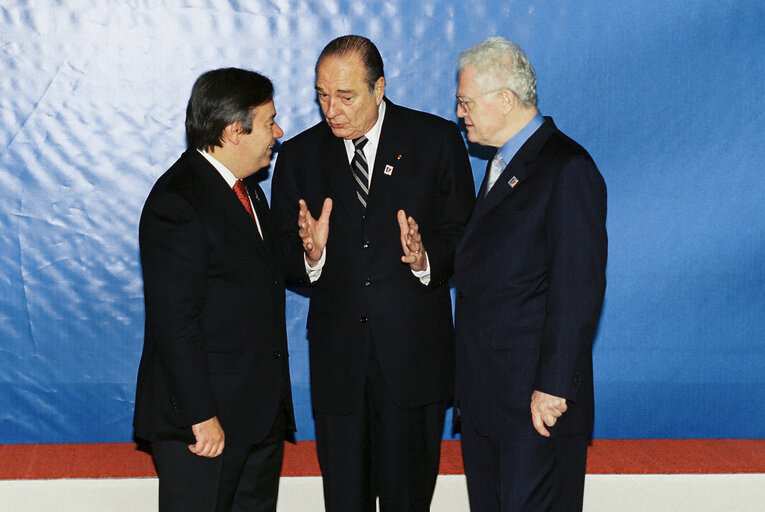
(232,133)
(509,100)
(379,89)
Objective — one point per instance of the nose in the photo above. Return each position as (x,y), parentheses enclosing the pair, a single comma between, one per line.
(330,113)
(277,131)
(461,112)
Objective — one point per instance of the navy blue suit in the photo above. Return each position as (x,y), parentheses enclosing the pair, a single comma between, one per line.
(381,342)
(530,278)
(215,342)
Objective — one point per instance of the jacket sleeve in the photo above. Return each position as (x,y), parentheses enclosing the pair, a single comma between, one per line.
(173,257)
(456,195)
(284,212)
(576,251)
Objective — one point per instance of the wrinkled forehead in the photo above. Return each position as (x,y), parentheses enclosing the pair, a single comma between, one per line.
(348,66)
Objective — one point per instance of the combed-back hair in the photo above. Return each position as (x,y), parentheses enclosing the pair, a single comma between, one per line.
(221,97)
(361,46)
(501,64)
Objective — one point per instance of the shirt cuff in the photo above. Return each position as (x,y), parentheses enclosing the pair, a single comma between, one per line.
(422,275)
(314,273)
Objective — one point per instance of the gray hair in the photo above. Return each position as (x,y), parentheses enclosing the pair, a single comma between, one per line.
(501,64)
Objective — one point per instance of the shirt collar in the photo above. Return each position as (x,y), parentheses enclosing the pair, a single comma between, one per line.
(224,172)
(511,147)
(373,135)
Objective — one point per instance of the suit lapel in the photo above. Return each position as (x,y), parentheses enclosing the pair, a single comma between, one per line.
(388,154)
(334,160)
(223,200)
(264,217)
(515,172)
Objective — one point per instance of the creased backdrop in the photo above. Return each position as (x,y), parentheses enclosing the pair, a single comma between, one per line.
(667,96)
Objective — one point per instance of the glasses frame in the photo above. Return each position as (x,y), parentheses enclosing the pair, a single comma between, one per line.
(467,104)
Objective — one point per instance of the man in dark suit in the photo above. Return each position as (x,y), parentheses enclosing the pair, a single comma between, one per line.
(213,393)
(379,324)
(530,278)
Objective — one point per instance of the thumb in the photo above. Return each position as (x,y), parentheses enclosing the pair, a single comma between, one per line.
(326,210)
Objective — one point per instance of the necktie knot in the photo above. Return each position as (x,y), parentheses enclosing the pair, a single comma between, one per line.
(359,143)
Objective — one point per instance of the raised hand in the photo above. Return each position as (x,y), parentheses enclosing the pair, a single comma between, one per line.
(314,232)
(411,243)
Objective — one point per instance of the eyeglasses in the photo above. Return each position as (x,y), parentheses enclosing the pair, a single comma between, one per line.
(467,104)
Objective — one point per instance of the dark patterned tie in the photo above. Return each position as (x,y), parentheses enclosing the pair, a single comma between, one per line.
(241,193)
(360,170)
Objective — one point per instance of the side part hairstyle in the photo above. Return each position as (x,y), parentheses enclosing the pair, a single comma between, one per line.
(221,97)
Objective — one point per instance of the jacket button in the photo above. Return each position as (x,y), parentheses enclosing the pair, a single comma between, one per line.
(365,245)
(460,295)
(367,281)
(277,354)
(363,319)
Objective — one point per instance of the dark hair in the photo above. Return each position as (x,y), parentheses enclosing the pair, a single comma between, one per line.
(361,46)
(221,97)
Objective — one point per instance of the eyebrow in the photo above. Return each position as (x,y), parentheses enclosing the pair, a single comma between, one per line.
(341,91)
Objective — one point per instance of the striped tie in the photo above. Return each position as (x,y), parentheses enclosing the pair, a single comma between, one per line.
(360,170)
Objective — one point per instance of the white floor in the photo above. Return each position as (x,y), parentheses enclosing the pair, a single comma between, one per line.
(603,493)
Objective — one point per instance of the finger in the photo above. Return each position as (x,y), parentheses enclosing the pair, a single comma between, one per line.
(304,212)
(218,449)
(550,420)
(402,223)
(404,228)
(326,210)
(198,448)
(539,425)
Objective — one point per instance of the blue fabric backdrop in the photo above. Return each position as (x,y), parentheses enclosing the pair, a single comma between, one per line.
(667,96)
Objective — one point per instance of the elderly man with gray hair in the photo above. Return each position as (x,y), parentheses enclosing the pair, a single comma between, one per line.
(530,279)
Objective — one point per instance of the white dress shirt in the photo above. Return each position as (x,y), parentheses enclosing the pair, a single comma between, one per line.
(370,152)
(231,181)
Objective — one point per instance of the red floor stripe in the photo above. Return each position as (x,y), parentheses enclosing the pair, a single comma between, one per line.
(635,456)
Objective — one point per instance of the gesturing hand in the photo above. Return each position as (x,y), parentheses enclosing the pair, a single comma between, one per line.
(314,232)
(411,243)
(545,410)
(210,438)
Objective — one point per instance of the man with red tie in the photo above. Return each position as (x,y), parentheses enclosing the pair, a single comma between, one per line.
(213,393)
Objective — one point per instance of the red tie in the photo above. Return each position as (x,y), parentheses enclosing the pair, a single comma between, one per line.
(241,193)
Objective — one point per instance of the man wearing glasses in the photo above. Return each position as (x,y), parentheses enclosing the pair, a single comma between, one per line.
(530,278)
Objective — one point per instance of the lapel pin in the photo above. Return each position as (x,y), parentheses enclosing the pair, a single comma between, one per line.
(512,182)
(389,169)
(398,157)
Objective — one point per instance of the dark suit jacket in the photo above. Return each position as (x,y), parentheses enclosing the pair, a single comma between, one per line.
(366,296)
(530,277)
(215,342)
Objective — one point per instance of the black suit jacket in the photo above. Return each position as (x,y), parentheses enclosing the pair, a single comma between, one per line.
(530,277)
(366,296)
(215,341)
